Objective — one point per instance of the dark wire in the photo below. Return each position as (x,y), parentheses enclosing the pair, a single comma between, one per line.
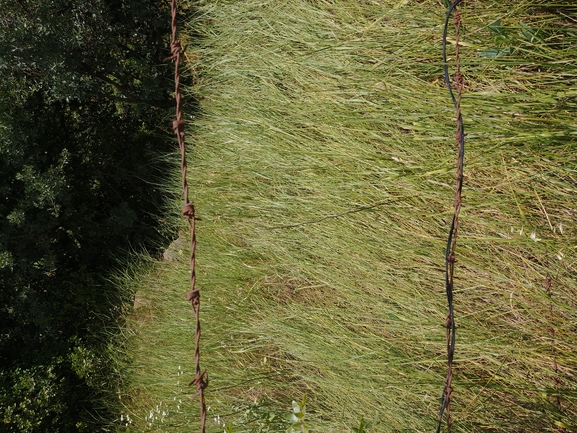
(448,280)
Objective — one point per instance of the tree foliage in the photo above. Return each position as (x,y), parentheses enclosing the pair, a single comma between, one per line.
(81,49)
(83,91)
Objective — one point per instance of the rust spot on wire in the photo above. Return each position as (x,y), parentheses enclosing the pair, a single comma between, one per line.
(193,296)
(188,210)
(200,379)
(201,382)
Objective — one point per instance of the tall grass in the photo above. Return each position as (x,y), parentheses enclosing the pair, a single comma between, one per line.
(322,165)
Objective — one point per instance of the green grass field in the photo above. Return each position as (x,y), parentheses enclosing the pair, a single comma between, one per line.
(322,164)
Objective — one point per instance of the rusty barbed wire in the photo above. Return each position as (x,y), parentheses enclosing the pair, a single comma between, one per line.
(445,406)
(193,296)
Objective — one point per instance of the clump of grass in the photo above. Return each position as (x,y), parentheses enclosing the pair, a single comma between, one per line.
(322,166)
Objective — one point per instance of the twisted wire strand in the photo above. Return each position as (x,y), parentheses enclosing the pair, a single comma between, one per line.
(201,377)
(452,238)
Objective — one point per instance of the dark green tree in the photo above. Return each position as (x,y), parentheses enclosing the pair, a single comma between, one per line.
(84,91)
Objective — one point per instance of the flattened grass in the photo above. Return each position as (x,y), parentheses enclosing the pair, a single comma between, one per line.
(322,166)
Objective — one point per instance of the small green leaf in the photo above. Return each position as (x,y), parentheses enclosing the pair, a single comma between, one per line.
(296,407)
(497,28)
(495,52)
(528,33)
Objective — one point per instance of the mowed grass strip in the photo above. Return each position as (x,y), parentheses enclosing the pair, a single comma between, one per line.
(322,165)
